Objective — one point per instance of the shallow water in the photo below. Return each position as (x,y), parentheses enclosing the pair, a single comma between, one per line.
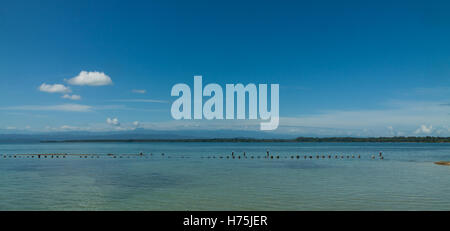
(406,179)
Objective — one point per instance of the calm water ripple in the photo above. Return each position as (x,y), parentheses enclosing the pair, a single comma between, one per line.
(406,180)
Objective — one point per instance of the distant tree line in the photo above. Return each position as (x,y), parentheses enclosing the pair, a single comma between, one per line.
(401,139)
(396,139)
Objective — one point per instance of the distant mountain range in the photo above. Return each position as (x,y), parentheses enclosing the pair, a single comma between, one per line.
(140,134)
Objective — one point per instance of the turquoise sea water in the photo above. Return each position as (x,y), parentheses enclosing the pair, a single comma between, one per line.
(186,179)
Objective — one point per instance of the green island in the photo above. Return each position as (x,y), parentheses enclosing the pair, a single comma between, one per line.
(396,139)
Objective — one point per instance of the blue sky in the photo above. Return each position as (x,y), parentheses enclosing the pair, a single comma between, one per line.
(361,68)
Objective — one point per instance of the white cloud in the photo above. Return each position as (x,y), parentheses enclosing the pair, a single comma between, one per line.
(68,127)
(424,129)
(391,131)
(72,97)
(61,107)
(93,78)
(54,88)
(10,128)
(139,91)
(141,100)
(113,125)
(398,114)
(396,118)
(113,121)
